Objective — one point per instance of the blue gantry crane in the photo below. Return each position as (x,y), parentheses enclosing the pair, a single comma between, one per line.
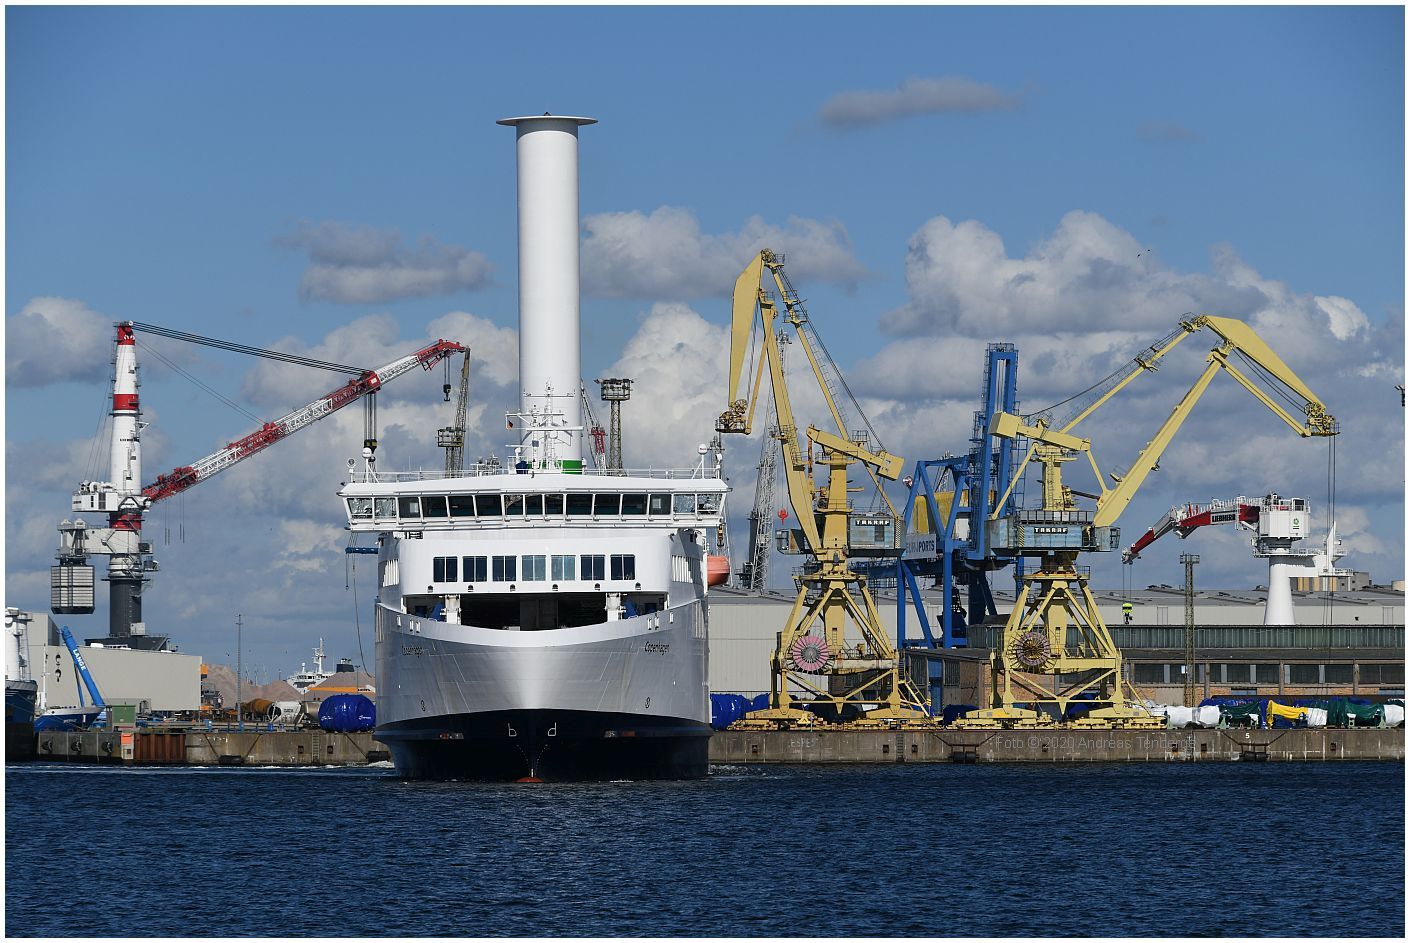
(946,538)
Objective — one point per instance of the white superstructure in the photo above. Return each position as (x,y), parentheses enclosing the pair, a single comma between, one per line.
(303,679)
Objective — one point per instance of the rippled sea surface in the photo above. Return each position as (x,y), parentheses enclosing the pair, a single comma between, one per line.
(936,850)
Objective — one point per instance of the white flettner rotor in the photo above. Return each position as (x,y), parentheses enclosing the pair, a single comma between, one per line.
(549,368)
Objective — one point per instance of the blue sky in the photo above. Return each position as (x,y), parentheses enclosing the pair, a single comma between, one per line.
(272,176)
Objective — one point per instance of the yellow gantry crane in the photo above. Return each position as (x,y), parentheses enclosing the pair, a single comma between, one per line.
(833,647)
(1056,650)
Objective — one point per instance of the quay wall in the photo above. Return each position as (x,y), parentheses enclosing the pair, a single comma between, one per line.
(1054,746)
(211,748)
(319,748)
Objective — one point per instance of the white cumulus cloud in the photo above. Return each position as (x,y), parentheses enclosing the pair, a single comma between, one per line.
(360,264)
(52,340)
(664,255)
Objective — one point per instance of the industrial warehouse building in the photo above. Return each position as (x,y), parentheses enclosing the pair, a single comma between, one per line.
(1350,642)
(153,681)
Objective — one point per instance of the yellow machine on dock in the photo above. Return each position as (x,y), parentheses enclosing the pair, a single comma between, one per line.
(1055,649)
(833,645)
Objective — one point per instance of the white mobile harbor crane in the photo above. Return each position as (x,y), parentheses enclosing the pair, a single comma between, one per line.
(1279,525)
(1055,648)
(816,654)
(123,499)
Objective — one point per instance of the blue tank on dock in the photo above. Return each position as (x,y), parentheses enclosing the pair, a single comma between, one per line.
(347,713)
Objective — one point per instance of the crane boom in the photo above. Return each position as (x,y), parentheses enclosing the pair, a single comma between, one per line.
(1054,445)
(1185,518)
(1055,646)
(832,596)
(179,479)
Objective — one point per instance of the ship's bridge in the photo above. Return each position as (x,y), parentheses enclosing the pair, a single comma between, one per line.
(428,501)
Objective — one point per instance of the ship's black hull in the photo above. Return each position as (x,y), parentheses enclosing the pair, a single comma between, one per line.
(552,745)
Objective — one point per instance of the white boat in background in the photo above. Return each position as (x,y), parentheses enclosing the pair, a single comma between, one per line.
(303,679)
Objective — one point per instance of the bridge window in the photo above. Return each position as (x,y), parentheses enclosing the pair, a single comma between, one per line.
(489,505)
(579,505)
(462,505)
(564,567)
(502,569)
(553,505)
(633,505)
(386,508)
(513,505)
(475,569)
(443,569)
(623,566)
(685,504)
(533,505)
(433,505)
(660,504)
(534,568)
(593,566)
(709,504)
(410,505)
(359,508)
(609,504)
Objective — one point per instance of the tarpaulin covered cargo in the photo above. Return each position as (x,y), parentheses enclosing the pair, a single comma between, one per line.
(1242,715)
(1285,715)
(1179,717)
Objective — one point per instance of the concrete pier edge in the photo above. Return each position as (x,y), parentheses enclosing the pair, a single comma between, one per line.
(746,747)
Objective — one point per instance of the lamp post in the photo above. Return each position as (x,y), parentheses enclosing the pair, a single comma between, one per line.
(239,711)
(1189,560)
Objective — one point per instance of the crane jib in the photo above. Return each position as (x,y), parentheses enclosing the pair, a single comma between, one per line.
(369,381)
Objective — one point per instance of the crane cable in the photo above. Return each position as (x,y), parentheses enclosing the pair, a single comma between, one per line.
(1329,599)
(351,577)
(1116,374)
(228,402)
(246,349)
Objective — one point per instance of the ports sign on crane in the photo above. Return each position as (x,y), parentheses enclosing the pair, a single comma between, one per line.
(124,499)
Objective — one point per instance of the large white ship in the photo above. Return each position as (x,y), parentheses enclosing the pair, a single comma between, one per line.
(536,619)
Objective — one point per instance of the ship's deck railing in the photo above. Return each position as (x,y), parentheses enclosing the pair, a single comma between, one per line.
(362,477)
(478,471)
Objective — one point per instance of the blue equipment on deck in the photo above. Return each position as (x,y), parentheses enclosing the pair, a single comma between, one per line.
(82,667)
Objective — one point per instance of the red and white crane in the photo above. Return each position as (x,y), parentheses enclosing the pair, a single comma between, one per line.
(179,479)
(124,500)
(1279,524)
(1184,519)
